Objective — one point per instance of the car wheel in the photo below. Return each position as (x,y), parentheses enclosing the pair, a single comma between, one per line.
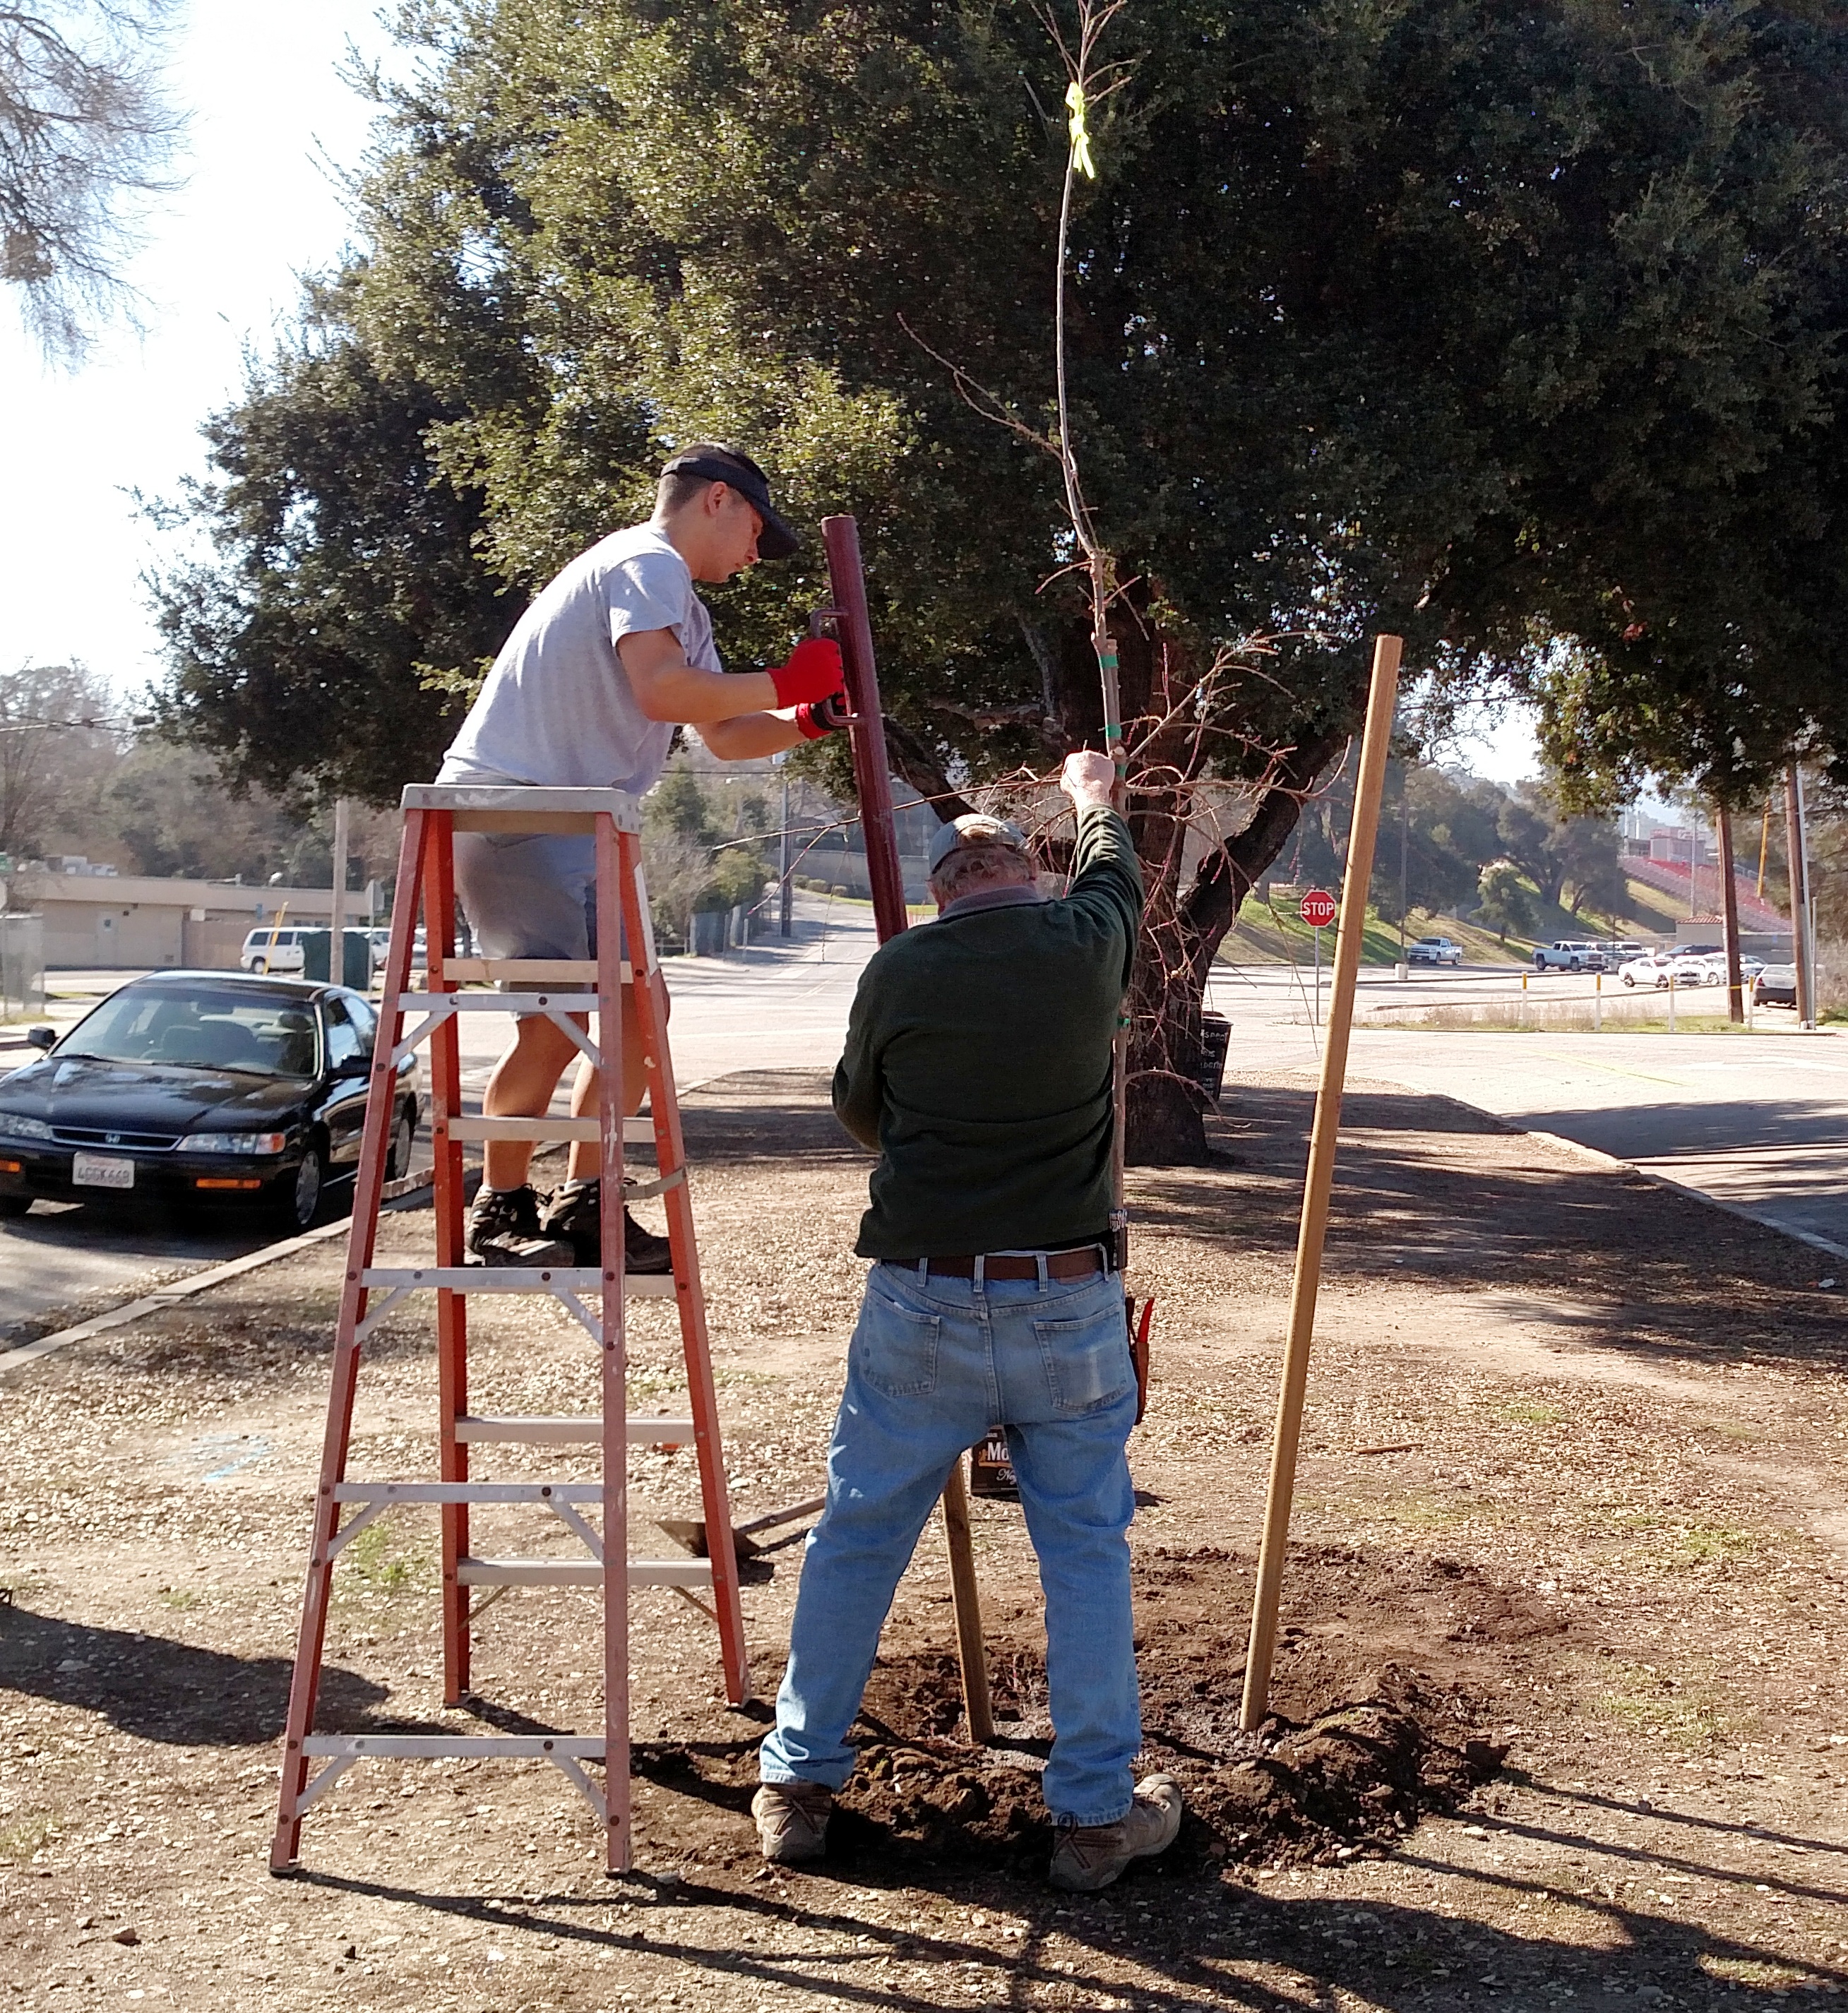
(15,1205)
(300,1203)
(398,1154)
(1627,980)
(259,966)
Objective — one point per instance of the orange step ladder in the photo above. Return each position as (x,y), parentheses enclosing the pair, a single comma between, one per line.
(313,1761)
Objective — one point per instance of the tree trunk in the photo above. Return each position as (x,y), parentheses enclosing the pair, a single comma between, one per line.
(1182,927)
(1166,1108)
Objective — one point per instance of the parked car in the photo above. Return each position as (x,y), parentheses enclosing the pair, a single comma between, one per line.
(1650,969)
(200,1088)
(272,950)
(1433,950)
(1775,986)
(1698,967)
(1617,950)
(1569,954)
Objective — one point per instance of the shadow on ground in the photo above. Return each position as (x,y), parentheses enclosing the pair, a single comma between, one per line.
(157,1689)
(1429,1190)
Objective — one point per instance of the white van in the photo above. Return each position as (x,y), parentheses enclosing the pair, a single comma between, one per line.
(272,950)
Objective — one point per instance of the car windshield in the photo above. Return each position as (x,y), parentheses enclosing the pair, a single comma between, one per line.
(200,1028)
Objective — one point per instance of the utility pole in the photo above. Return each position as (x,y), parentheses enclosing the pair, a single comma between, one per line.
(336,916)
(1405,827)
(1798,844)
(1735,998)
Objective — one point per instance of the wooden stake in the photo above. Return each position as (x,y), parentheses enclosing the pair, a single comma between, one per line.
(1321,1174)
(847,580)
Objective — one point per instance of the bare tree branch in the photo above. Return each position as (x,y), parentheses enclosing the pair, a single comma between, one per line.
(85,135)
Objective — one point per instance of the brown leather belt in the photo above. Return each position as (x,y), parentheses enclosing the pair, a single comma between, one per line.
(1079,1265)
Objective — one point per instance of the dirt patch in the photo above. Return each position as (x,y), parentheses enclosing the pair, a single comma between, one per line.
(1568,1451)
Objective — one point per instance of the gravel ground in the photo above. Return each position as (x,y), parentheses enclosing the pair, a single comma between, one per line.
(1564,1627)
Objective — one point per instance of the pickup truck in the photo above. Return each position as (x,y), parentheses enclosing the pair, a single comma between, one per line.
(1568,954)
(1434,950)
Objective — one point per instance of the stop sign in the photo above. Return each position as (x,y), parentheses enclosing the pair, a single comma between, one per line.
(1316,908)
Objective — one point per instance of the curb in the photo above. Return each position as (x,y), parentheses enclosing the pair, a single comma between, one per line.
(1609,1164)
(197,1282)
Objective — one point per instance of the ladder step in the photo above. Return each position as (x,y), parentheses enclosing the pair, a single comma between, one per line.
(636,1131)
(531,970)
(503,806)
(499,1002)
(580,1431)
(516,1279)
(580,1572)
(468,1492)
(527,1128)
(434,1746)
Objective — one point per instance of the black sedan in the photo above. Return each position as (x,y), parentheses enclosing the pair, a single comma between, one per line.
(200,1087)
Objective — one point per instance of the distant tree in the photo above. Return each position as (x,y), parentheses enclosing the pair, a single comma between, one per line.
(331,643)
(59,742)
(86,135)
(1507,902)
(1591,856)
(1448,822)
(693,866)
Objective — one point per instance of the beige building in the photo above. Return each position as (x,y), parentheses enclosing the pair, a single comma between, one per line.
(124,922)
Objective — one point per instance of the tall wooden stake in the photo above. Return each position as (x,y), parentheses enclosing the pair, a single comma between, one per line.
(1321,1174)
(847,580)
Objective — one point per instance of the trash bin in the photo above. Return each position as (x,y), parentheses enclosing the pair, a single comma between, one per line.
(317,947)
(1216,1032)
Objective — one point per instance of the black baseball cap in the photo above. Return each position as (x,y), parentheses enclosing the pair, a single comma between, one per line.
(727,465)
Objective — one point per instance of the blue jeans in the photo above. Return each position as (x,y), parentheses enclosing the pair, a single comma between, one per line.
(935,1362)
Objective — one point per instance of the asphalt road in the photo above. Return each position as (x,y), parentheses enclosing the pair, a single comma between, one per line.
(1759,1121)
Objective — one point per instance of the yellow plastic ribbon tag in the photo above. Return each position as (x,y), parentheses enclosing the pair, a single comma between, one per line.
(1081,137)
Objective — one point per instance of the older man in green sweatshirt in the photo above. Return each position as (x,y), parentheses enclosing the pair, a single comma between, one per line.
(977,1065)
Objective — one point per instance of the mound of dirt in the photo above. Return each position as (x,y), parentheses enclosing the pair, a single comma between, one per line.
(1357,1770)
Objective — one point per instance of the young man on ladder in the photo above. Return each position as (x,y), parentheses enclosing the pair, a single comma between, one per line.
(978,1067)
(587,691)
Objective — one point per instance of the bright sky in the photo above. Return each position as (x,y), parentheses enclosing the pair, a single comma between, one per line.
(258,78)
(260,206)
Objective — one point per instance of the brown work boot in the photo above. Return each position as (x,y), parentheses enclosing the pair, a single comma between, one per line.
(792,1822)
(503,1229)
(1089,1856)
(574,1213)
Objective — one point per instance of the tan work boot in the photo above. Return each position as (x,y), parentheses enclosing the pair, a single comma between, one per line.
(792,1822)
(1089,1856)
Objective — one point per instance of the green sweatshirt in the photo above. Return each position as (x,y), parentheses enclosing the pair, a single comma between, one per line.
(978,1064)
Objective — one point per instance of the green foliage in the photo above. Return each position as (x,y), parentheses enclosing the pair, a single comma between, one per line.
(1474,322)
(694,863)
(1515,331)
(1507,902)
(326,645)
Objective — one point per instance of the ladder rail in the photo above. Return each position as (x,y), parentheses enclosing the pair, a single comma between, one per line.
(451,1309)
(613,856)
(305,1682)
(670,1157)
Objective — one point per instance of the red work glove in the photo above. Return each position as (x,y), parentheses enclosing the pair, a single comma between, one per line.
(814,672)
(821,717)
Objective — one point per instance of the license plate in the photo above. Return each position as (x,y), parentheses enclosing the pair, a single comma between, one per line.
(102,1171)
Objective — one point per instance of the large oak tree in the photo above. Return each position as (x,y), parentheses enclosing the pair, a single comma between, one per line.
(1493,326)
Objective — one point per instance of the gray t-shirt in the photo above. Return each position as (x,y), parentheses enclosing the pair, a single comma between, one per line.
(557,708)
